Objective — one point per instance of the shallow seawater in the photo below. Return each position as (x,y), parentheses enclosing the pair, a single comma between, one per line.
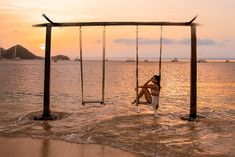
(118,123)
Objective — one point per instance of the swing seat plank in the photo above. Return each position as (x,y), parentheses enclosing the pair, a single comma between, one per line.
(92,101)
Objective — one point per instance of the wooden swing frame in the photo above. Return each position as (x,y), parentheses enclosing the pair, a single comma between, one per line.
(193,72)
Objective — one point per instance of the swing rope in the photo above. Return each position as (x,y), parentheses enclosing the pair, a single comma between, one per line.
(160,64)
(103,73)
(81,65)
(160,56)
(137,64)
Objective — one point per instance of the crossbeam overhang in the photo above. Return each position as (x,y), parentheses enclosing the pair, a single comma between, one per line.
(133,23)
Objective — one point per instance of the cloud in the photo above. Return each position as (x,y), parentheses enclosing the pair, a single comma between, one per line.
(199,42)
(7,8)
(142,41)
(124,41)
(206,42)
(227,40)
(167,41)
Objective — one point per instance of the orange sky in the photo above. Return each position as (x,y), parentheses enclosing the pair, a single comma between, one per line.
(216,35)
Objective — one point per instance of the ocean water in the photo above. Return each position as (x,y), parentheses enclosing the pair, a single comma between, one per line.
(119,123)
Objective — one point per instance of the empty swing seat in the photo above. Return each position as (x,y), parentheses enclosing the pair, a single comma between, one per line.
(92,101)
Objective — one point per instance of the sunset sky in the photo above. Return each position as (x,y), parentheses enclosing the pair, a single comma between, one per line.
(216,35)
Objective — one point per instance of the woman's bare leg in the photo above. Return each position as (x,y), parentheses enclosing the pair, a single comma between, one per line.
(146,93)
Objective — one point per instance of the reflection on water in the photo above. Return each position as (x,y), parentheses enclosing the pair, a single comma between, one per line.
(119,123)
(45,142)
(45,148)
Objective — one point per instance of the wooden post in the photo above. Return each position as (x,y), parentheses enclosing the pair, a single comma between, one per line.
(193,83)
(46,103)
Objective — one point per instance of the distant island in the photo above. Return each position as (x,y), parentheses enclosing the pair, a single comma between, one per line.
(60,57)
(21,52)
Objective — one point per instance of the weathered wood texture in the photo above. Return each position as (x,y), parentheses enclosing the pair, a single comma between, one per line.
(121,23)
(193,82)
(47,71)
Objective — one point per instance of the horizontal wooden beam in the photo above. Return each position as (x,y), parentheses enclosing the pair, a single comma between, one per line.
(74,24)
(121,23)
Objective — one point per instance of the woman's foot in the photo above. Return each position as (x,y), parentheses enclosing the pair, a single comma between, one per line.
(133,102)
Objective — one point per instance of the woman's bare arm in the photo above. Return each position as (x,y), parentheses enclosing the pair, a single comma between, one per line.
(146,83)
(147,86)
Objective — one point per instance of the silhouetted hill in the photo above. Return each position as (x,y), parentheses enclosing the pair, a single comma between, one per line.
(21,52)
(60,57)
(2,51)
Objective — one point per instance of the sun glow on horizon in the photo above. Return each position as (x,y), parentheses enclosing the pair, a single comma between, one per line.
(42,46)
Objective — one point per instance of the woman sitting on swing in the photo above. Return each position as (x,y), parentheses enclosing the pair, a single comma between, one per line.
(151,98)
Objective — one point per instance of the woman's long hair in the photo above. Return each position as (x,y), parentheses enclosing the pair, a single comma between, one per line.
(158,78)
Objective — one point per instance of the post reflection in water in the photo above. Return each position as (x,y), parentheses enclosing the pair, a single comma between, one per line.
(54,148)
(45,147)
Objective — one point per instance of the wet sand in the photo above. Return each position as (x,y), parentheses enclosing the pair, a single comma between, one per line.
(22,147)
